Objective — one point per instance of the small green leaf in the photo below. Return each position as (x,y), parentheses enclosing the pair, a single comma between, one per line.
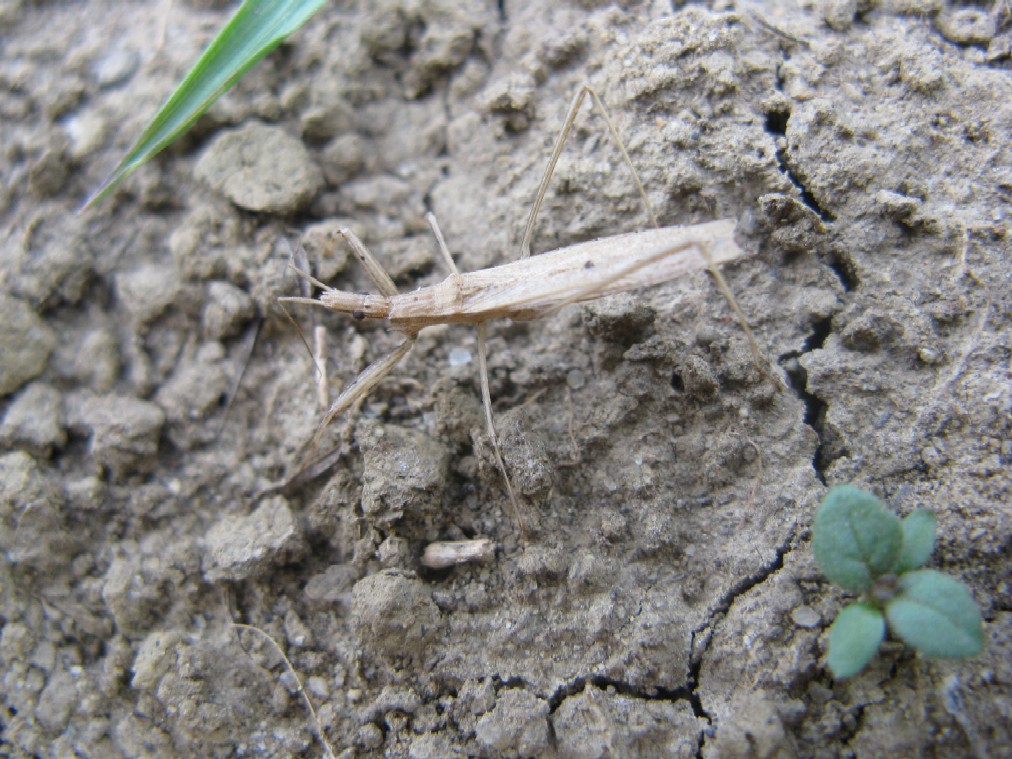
(918,540)
(255,29)
(856,539)
(936,615)
(854,637)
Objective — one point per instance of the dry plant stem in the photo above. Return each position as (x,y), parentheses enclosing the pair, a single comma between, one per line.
(320,357)
(305,696)
(571,410)
(448,553)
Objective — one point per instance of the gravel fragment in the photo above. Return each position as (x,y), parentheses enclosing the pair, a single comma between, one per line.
(404,469)
(806,616)
(155,656)
(136,589)
(227,309)
(56,702)
(393,613)
(89,358)
(32,529)
(333,585)
(115,67)
(966,26)
(595,724)
(327,252)
(192,393)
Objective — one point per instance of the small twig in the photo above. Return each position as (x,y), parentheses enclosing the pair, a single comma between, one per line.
(320,357)
(448,553)
(305,696)
(246,348)
(759,473)
(309,471)
(570,428)
(777,31)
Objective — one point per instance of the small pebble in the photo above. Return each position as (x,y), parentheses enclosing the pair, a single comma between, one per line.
(34,419)
(239,547)
(146,292)
(806,616)
(966,26)
(460,357)
(115,67)
(261,168)
(575,379)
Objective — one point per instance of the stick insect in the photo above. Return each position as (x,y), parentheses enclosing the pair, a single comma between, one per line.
(531,287)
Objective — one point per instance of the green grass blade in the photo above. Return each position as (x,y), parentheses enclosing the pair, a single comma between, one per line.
(256,29)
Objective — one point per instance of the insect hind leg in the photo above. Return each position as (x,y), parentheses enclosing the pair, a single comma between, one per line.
(560,143)
(725,290)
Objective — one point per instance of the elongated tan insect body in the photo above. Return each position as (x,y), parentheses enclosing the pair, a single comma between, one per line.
(530,288)
(534,287)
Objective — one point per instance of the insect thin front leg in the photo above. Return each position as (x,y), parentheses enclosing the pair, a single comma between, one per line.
(363,384)
(372,267)
(443,250)
(574,109)
(486,398)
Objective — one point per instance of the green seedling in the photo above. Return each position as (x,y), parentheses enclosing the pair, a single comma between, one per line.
(257,27)
(866,549)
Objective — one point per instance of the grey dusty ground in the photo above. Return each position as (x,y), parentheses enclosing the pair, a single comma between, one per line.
(667,603)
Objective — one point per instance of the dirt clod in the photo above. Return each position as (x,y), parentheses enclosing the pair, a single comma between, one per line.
(516,726)
(243,547)
(25,344)
(261,168)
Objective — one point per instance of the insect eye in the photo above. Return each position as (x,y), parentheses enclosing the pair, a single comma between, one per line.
(359,315)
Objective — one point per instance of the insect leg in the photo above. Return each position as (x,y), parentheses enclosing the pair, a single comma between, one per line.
(486,395)
(444,251)
(373,268)
(363,384)
(753,345)
(525,245)
(486,398)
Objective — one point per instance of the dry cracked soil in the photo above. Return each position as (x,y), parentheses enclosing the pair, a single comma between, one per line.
(157,486)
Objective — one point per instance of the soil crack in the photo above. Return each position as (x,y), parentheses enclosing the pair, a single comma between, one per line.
(797,377)
(707,629)
(776,125)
